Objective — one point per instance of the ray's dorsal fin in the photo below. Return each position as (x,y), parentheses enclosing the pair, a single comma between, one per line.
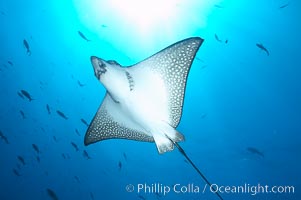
(109,123)
(172,64)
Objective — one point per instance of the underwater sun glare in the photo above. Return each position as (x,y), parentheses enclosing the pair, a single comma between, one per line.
(146,14)
(147,19)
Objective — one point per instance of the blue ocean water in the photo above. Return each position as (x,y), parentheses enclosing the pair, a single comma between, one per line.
(241,117)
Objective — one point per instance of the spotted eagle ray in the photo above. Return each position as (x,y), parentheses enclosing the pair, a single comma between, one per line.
(144,101)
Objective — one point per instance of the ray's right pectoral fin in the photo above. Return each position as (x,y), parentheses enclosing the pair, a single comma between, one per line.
(110,123)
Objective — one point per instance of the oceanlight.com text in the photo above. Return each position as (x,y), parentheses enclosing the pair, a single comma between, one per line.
(250,189)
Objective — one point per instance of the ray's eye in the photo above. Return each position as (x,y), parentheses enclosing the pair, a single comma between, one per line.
(101,64)
(113,62)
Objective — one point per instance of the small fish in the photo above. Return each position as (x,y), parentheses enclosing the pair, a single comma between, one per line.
(75,146)
(16,172)
(77,179)
(54,138)
(36,148)
(86,155)
(52,194)
(60,113)
(77,132)
(38,159)
(141,197)
(263,48)
(199,59)
(20,95)
(48,109)
(218,6)
(119,165)
(104,26)
(64,156)
(255,151)
(83,36)
(21,159)
(204,115)
(217,38)
(3,137)
(4,65)
(11,63)
(84,122)
(125,157)
(27,95)
(26,45)
(42,85)
(80,84)
(91,195)
(283,6)
(22,114)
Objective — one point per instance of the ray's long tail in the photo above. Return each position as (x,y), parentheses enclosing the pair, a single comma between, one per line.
(195,167)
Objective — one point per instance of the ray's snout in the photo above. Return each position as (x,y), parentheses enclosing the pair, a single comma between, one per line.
(99,66)
(93,58)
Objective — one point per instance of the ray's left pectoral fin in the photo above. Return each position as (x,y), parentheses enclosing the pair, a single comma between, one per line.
(110,123)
